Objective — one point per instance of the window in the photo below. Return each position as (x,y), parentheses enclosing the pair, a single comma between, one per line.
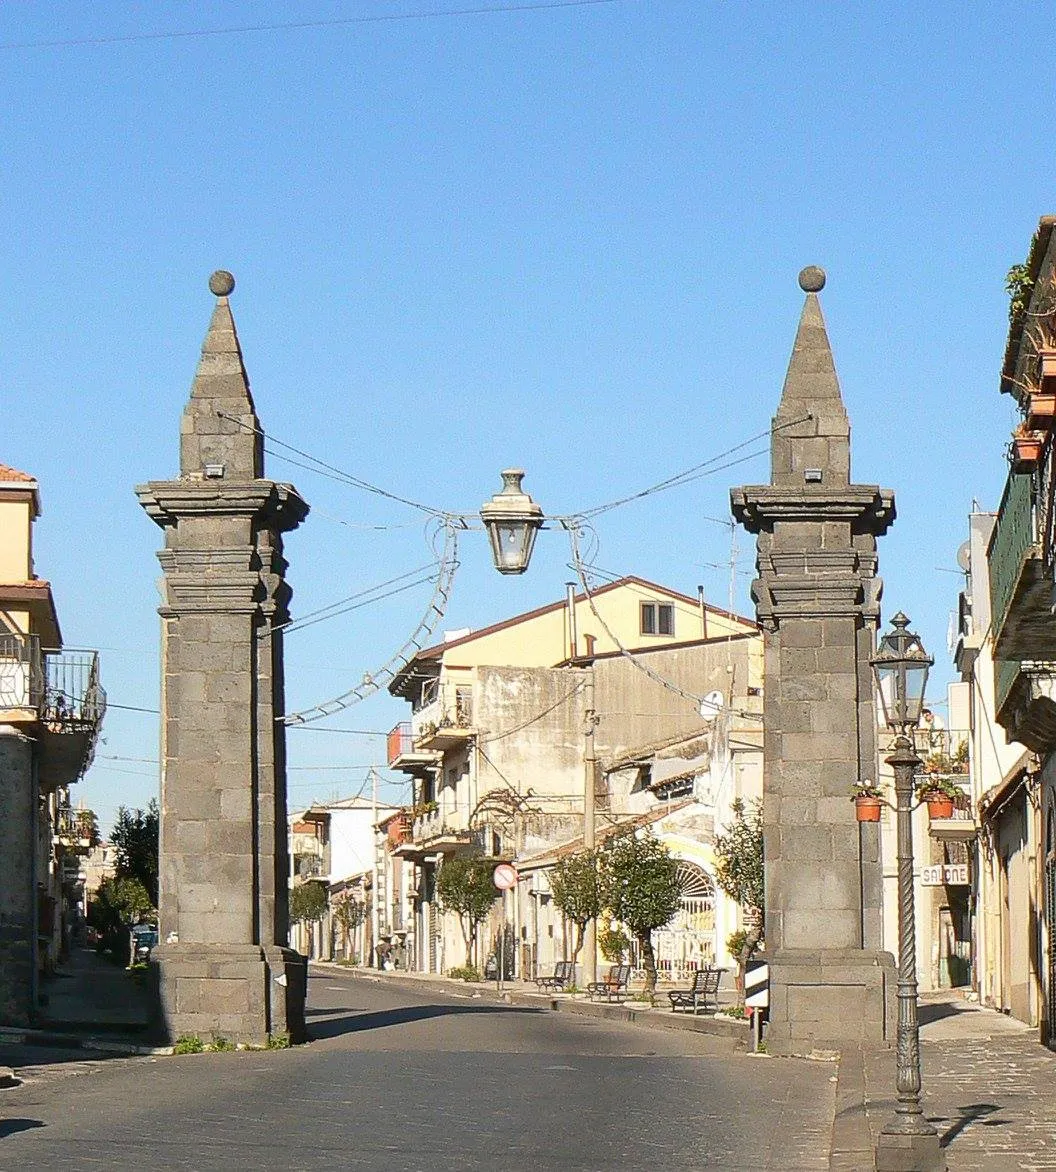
(658,618)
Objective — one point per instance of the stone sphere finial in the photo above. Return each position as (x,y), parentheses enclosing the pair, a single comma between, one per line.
(222,282)
(812,279)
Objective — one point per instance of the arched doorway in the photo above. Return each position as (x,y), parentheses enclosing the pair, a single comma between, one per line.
(688,943)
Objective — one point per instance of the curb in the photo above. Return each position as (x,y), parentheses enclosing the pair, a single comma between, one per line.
(852,1141)
(730,1029)
(76,1041)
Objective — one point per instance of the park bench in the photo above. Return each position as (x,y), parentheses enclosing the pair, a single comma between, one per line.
(701,996)
(563,975)
(614,986)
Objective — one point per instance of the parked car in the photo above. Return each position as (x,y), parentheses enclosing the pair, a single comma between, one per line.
(144,938)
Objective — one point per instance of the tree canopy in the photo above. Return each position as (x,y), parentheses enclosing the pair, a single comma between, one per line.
(640,886)
(739,851)
(307,901)
(135,840)
(464,885)
(576,885)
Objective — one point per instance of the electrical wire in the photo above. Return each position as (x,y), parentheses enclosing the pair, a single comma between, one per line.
(297,25)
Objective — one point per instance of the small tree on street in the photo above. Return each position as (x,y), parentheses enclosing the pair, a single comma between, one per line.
(349,914)
(640,887)
(739,851)
(464,885)
(576,884)
(307,902)
(135,841)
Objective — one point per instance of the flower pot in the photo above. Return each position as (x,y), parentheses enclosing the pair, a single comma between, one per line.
(1027,449)
(1047,365)
(867,809)
(1042,409)
(939,805)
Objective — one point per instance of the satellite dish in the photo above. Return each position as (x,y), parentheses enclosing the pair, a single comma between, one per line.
(964,556)
(710,707)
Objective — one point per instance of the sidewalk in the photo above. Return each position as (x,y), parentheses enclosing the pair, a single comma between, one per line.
(989,1088)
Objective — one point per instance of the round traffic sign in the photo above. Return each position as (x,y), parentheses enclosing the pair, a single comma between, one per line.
(504,876)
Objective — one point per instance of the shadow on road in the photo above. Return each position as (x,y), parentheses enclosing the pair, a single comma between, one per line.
(937,1010)
(13,1126)
(353,1022)
(974,1113)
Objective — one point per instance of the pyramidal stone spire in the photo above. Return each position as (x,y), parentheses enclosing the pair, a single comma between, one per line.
(813,440)
(220,435)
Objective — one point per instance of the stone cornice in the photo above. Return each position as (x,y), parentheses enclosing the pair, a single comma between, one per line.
(280,505)
(869,508)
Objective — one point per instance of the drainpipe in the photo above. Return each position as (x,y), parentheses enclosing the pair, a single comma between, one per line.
(703,613)
(573,641)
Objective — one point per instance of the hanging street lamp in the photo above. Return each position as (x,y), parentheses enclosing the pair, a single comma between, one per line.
(908,1142)
(512,520)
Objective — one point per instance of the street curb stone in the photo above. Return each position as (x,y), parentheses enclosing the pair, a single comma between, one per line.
(77,1041)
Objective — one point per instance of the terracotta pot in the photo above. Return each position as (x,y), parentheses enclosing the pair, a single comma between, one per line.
(867,809)
(1027,449)
(1047,363)
(1042,409)
(939,805)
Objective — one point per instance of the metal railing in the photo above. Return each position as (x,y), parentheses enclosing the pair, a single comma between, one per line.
(74,825)
(21,672)
(1011,542)
(73,696)
(400,741)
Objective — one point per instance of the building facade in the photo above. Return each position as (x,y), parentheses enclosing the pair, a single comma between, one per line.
(51,710)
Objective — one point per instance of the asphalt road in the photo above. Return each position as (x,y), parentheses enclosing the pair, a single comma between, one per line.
(421,1082)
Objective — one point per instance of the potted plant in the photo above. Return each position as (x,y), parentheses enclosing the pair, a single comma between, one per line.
(1041,405)
(1027,445)
(940,793)
(868,798)
(1047,366)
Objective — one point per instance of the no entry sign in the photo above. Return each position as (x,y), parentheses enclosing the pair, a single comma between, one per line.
(504,876)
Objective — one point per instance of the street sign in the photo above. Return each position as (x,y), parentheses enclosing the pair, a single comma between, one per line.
(944,875)
(756,985)
(504,876)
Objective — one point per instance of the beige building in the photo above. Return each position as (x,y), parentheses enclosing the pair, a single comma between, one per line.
(496,742)
(51,709)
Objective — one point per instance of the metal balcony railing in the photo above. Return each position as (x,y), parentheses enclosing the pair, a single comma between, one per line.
(1012,541)
(73,697)
(400,741)
(944,752)
(74,825)
(21,672)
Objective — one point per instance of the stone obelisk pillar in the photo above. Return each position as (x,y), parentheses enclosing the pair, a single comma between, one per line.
(817,601)
(224,967)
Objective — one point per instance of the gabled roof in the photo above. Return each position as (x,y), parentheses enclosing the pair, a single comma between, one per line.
(10,475)
(436,652)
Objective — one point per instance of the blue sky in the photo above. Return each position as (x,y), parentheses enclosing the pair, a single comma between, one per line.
(565,239)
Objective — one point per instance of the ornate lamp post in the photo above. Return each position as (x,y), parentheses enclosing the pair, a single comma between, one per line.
(908,1143)
(512,520)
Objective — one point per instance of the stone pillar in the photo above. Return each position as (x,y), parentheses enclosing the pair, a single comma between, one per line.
(224,967)
(18,885)
(817,601)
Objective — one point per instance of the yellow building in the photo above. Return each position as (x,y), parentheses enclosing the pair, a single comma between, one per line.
(496,743)
(51,708)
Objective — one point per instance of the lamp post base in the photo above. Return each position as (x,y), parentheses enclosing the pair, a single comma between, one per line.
(910,1151)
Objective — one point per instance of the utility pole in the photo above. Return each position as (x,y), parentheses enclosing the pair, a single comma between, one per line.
(590,720)
(375,922)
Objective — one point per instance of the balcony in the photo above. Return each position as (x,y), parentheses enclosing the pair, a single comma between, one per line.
(404,754)
(75,830)
(71,715)
(1025,700)
(445,723)
(1021,589)
(21,674)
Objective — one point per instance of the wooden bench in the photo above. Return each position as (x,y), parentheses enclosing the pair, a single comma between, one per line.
(701,996)
(614,986)
(563,975)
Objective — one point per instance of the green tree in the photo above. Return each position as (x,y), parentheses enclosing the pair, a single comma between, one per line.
(135,839)
(349,914)
(119,903)
(640,886)
(739,851)
(464,885)
(308,901)
(576,884)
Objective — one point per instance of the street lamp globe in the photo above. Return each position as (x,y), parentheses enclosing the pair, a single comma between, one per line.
(901,669)
(512,520)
